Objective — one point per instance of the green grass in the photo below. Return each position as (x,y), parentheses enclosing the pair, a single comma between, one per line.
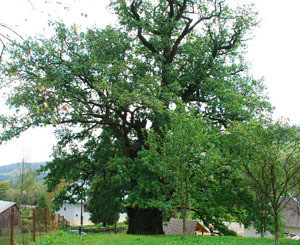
(95,226)
(4,240)
(23,239)
(64,238)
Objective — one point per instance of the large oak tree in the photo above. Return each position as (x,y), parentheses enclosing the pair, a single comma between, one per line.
(104,89)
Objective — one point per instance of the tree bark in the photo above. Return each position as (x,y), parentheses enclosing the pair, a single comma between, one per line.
(262,230)
(276,223)
(144,221)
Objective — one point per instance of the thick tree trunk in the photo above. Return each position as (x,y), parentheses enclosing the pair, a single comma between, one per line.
(144,221)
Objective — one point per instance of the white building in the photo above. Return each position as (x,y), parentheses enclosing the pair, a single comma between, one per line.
(72,212)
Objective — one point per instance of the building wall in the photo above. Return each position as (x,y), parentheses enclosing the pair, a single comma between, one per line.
(71,213)
(123,217)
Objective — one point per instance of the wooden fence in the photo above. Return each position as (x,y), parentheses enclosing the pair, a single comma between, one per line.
(25,226)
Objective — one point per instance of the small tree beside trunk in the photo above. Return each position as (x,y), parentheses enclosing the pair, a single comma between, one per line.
(269,154)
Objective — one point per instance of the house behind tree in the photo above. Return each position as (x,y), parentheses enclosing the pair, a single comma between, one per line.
(72,213)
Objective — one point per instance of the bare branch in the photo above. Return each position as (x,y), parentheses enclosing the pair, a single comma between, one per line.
(10,29)
(31,4)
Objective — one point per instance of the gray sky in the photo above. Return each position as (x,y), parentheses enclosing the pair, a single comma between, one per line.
(273,53)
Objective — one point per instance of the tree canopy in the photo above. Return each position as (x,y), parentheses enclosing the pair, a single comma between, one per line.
(105,89)
(269,157)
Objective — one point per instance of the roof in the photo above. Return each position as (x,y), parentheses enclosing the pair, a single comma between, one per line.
(175,227)
(291,213)
(4,205)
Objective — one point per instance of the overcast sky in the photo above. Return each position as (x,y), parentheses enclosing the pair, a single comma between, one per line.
(274,54)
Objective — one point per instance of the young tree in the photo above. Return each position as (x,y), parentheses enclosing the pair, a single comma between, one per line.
(24,189)
(25,178)
(126,81)
(269,155)
(219,194)
(262,221)
(181,152)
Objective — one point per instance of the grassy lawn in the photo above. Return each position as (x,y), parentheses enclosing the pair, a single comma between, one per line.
(95,226)
(64,238)
(23,239)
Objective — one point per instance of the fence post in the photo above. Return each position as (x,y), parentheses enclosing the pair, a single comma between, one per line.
(34,224)
(12,210)
(46,225)
(40,218)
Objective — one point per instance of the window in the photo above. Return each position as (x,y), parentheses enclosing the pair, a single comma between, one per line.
(65,208)
(85,208)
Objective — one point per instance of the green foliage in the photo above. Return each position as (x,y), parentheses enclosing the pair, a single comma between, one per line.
(104,204)
(181,153)
(106,90)
(4,186)
(268,154)
(262,220)
(220,192)
(188,156)
(43,202)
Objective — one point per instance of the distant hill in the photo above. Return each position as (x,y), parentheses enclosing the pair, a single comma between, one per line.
(11,171)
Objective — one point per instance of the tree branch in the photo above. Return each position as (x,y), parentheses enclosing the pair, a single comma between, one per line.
(133,8)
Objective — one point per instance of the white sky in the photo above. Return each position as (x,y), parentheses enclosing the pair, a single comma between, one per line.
(274,53)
